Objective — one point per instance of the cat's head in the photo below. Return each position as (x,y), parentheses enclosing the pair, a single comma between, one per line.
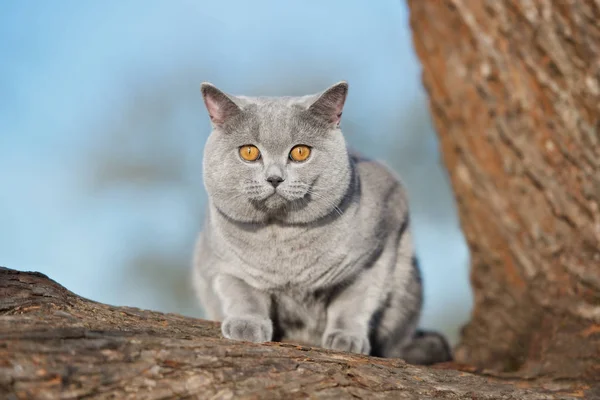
(276,158)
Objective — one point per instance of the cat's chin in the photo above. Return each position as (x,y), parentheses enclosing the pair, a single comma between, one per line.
(275,202)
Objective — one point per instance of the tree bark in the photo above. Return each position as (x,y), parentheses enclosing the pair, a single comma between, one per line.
(57,345)
(514,90)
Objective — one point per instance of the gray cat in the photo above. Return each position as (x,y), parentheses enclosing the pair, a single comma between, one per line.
(305,241)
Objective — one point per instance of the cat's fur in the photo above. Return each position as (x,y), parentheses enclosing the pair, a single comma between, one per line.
(326,258)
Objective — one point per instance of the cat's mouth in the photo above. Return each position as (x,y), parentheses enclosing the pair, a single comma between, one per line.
(281,200)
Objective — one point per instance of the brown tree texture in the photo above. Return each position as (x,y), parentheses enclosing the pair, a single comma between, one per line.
(514,89)
(57,345)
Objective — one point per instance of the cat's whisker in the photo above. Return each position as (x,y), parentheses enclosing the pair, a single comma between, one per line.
(329,202)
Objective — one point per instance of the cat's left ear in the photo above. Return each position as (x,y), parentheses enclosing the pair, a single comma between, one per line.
(330,103)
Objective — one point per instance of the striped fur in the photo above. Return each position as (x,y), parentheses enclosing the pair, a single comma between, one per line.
(326,258)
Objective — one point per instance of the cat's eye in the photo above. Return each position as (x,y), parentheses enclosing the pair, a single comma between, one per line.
(249,152)
(300,153)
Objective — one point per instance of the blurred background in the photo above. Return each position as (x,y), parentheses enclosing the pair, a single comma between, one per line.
(102,128)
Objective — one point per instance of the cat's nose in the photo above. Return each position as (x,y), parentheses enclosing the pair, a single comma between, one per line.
(274,180)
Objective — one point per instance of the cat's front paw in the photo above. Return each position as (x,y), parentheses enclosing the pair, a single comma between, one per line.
(346,341)
(248,329)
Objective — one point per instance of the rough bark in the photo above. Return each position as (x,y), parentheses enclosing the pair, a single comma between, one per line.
(514,90)
(55,344)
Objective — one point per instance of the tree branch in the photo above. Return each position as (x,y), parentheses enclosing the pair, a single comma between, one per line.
(57,345)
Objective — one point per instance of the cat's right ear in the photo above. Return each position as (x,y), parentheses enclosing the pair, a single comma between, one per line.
(219,105)
(329,104)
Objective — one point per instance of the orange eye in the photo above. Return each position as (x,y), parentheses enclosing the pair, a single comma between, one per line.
(300,153)
(249,152)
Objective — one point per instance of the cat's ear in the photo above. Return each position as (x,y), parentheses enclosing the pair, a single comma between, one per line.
(329,104)
(219,105)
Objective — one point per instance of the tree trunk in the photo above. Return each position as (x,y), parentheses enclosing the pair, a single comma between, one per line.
(57,345)
(514,90)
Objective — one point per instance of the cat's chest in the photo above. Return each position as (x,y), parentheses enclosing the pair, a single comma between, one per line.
(291,247)
(283,241)
(275,257)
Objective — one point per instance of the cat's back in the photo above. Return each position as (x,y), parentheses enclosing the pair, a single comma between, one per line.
(382,193)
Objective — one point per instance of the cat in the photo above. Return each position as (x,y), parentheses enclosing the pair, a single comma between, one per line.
(304,240)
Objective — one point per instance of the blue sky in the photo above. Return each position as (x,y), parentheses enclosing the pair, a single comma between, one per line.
(70,70)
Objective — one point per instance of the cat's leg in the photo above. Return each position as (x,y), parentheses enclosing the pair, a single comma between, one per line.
(352,307)
(427,347)
(421,347)
(245,309)
(205,265)
(347,327)
(395,322)
(397,335)
(211,305)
